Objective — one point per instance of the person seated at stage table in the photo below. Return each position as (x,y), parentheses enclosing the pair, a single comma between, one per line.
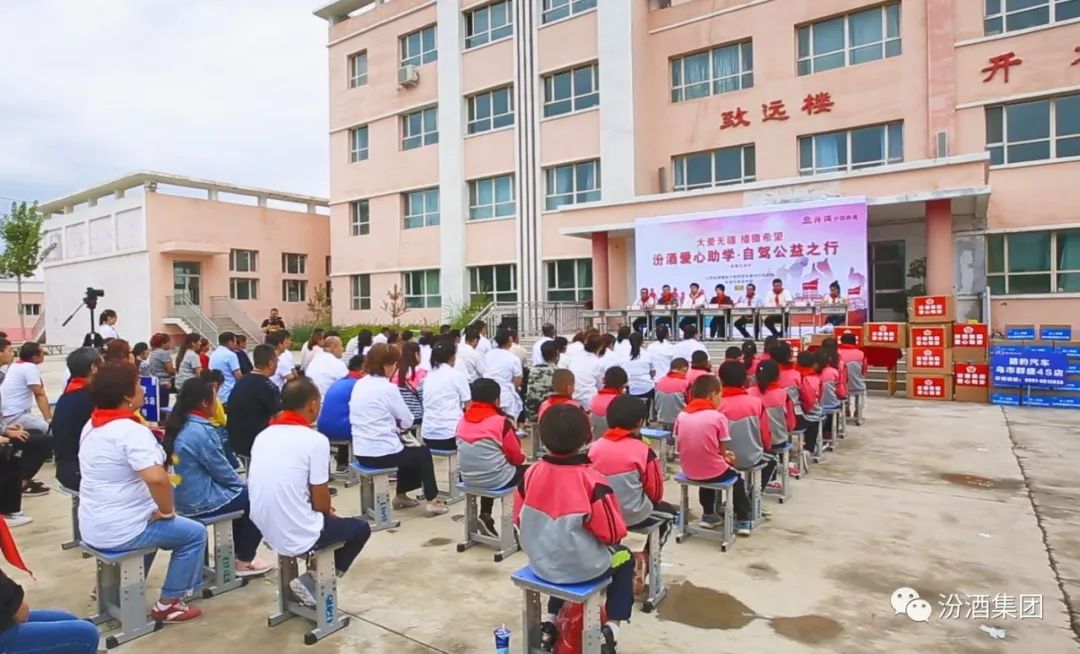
(693,301)
(749,300)
(644,302)
(835,299)
(779,298)
(668,300)
(720,300)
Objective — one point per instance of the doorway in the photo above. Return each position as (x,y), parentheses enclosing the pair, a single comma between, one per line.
(888,281)
(187,281)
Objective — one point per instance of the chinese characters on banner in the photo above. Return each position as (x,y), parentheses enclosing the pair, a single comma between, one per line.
(813,104)
(1006,60)
(1029,367)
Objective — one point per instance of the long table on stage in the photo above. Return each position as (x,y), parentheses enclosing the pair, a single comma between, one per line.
(751,318)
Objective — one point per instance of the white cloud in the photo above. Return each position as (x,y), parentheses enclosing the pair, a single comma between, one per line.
(234,90)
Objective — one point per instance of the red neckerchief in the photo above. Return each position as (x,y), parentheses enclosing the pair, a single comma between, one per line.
(644,298)
(699,404)
(290,418)
(200,413)
(356,374)
(666,298)
(720,298)
(480,411)
(776,298)
(805,371)
(11,550)
(847,346)
(773,386)
(787,366)
(707,368)
(101,417)
(556,399)
(749,300)
(699,294)
(617,433)
(731,391)
(677,375)
(76,384)
(610,391)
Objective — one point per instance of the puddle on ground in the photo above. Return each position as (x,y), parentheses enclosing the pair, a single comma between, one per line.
(457,517)
(981,482)
(438,542)
(706,608)
(763,571)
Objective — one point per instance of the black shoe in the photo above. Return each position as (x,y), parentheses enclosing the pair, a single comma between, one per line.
(333,491)
(487,525)
(34,488)
(549,636)
(608,646)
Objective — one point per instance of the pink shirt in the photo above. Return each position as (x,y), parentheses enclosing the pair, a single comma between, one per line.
(673,385)
(698,437)
(830,374)
(849,354)
(599,404)
(693,375)
(546,404)
(745,406)
(774,397)
(789,377)
(416,379)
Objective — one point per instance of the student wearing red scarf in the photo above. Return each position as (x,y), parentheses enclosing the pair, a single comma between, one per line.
(71,414)
(615,381)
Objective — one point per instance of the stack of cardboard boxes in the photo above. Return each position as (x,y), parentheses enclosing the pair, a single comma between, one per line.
(1027,359)
(929,352)
(971,369)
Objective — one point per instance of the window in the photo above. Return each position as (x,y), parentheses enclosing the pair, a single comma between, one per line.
(848,40)
(243,261)
(422,289)
(241,288)
(294,264)
(491,110)
(488,23)
(572,184)
(851,149)
(419,47)
(31,309)
(1033,131)
(558,9)
(569,280)
(1034,262)
(497,283)
(420,128)
(720,70)
(359,218)
(293,290)
(358,143)
(360,293)
(492,197)
(1011,15)
(571,90)
(358,69)
(735,165)
(422,208)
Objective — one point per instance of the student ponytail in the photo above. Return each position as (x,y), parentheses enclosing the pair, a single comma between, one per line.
(194,393)
(191,341)
(768,372)
(635,345)
(749,350)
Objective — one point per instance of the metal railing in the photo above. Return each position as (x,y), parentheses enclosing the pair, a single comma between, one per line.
(226,307)
(37,330)
(183,308)
(528,317)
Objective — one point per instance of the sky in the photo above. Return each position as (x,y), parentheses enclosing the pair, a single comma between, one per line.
(229,90)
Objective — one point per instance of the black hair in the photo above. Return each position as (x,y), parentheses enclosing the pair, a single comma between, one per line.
(564,429)
(835,285)
(770,341)
(105,315)
(704,386)
(549,350)
(733,373)
(721,287)
(689,331)
(548,330)
(356,363)
(623,333)
(444,329)
(408,363)
(777,280)
(781,353)
(828,342)
(263,355)
(191,341)
(298,393)
(29,351)
(139,348)
(364,339)
(472,334)
(194,393)
(749,351)
(733,352)
(847,339)
(227,337)
(807,359)
(635,345)
(562,343)
(626,412)
(442,352)
(679,363)
(485,390)
(406,335)
(662,333)
(828,356)
(751,285)
(768,371)
(502,337)
(211,375)
(615,377)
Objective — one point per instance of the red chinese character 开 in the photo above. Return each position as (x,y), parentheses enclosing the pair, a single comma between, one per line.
(735,118)
(818,103)
(1001,62)
(774,111)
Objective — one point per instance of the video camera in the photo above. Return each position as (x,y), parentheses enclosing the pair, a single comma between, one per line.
(92,295)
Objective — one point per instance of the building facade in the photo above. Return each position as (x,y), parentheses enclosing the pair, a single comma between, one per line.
(32,308)
(180,255)
(505,148)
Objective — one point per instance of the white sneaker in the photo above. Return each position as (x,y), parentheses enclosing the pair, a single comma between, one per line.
(303,587)
(17,519)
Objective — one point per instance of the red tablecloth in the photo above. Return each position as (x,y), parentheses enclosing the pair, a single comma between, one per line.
(876,357)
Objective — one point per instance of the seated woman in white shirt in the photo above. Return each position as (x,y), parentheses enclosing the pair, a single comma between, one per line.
(107,325)
(312,346)
(446,395)
(588,370)
(501,365)
(378,414)
(662,350)
(640,369)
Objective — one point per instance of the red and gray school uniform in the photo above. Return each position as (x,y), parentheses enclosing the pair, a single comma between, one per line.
(569,517)
(810,396)
(488,447)
(779,409)
(633,470)
(672,395)
(830,387)
(555,400)
(748,425)
(853,362)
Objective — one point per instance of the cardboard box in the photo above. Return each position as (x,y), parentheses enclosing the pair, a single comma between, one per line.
(929,387)
(930,335)
(849,329)
(1006,396)
(971,382)
(885,334)
(796,345)
(970,355)
(970,335)
(932,308)
(929,360)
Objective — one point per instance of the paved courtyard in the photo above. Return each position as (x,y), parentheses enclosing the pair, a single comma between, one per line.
(948,499)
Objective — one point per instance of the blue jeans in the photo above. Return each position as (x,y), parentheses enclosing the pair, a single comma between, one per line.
(50,632)
(187,540)
(246,536)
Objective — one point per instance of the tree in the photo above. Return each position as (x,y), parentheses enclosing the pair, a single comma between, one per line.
(394,304)
(318,305)
(23,253)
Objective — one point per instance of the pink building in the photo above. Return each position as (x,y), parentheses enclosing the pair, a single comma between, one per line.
(507,146)
(181,255)
(32,309)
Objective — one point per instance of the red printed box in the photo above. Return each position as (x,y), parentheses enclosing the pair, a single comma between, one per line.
(845,329)
(796,346)
(885,334)
(974,375)
(932,308)
(970,335)
(929,359)
(929,387)
(929,336)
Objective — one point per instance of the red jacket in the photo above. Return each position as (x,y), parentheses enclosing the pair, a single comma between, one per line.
(633,470)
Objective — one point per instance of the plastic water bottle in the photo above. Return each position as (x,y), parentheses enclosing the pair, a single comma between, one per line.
(502,640)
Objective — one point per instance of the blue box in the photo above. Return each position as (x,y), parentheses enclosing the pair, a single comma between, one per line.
(1037,400)
(1055,333)
(1074,368)
(1005,399)
(1070,350)
(1065,401)
(1008,350)
(1020,332)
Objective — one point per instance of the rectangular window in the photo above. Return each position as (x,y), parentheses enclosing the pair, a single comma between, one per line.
(720,70)
(559,9)
(422,289)
(421,208)
(1033,262)
(492,197)
(851,149)
(495,283)
(31,309)
(734,165)
(294,264)
(358,69)
(488,23)
(491,110)
(358,143)
(571,90)
(569,280)
(856,38)
(1033,130)
(572,184)
(420,128)
(359,218)
(1012,15)
(419,47)
(243,261)
(242,288)
(293,290)
(360,292)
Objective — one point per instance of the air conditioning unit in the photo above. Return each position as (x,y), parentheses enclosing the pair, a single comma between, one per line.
(408,76)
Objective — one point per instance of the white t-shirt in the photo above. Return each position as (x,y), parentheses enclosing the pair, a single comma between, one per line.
(469,361)
(285,461)
(285,365)
(15,392)
(325,369)
(622,349)
(376,414)
(107,331)
(610,359)
(114,501)
(750,302)
(379,338)
(502,366)
(483,346)
(573,350)
(662,352)
(695,302)
(537,355)
(588,372)
(686,348)
(425,358)
(446,390)
(351,348)
(781,300)
(307,354)
(640,371)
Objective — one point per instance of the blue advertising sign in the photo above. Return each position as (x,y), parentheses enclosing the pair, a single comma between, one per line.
(1055,333)
(1005,399)
(1029,369)
(1070,350)
(1020,333)
(150,402)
